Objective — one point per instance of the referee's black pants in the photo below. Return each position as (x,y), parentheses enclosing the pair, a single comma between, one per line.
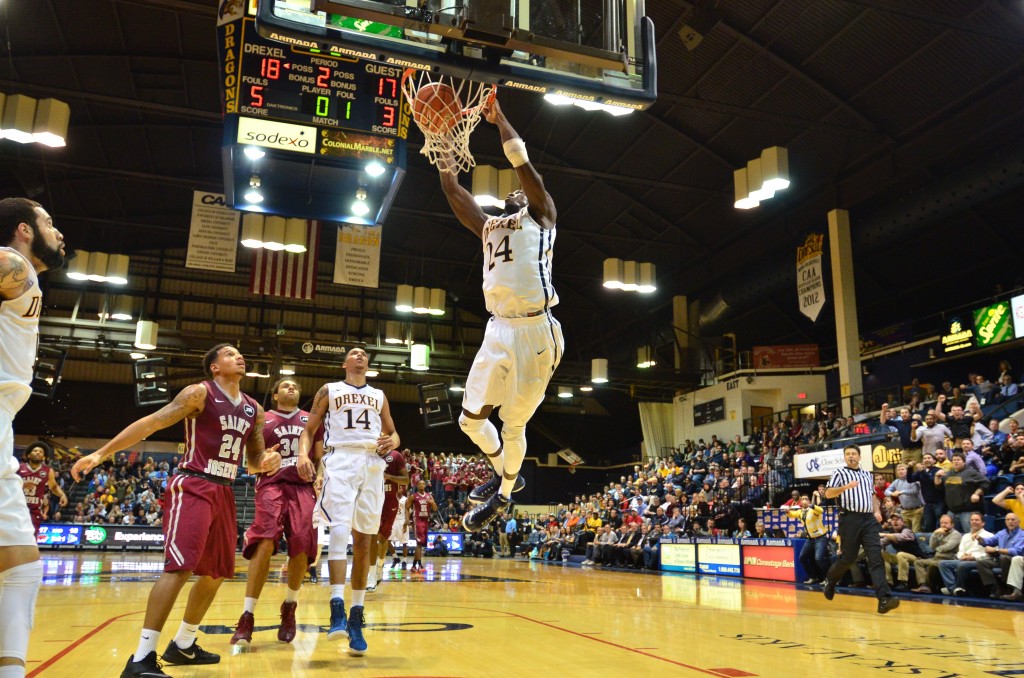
(858,530)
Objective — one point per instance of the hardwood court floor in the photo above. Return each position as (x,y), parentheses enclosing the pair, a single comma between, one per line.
(498,617)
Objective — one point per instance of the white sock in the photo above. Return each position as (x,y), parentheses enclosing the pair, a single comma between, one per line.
(12,671)
(186,635)
(358,597)
(148,640)
(291,596)
(380,564)
(250,605)
(338,591)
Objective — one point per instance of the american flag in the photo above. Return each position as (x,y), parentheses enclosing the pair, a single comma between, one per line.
(283,274)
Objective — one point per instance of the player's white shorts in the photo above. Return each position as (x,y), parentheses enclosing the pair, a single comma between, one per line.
(513,366)
(15,524)
(399,531)
(353,494)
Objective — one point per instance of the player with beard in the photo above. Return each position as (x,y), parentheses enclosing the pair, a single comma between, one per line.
(29,245)
(396,479)
(38,478)
(284,506)
(420,506)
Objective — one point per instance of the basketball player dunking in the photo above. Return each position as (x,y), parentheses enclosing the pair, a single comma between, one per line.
(38,479)
(284,505)
(359,434)
(200,519)
(396,479)
(29,245)
(419,508)
(523,342)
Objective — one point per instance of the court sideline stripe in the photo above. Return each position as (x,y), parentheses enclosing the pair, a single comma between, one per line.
(57,657)
(602,641)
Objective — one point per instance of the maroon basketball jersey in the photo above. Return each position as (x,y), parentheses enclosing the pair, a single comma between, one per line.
(421,506)
(35,486)
(284,429)
(215,440)
(395,465)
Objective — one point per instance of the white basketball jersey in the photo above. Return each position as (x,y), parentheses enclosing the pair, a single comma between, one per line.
(19,337)
(517,266)
(353,415)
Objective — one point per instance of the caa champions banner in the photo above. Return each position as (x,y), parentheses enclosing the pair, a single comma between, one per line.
(810,281)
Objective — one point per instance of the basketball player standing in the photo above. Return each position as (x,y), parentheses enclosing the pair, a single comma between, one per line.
(200,520)
(419,508)
(38,479)
(359,433)
(284,505)
(523,342)
(396,479)
(29,245)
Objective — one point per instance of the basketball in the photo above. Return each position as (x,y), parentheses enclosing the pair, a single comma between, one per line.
(436,108)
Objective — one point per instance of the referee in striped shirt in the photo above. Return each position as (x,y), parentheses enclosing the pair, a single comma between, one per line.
(859,517)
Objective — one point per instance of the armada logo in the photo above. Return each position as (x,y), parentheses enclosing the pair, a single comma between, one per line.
(526,86)
(294,41)
(310,347)
(359,54)
(408,64)
(278,135)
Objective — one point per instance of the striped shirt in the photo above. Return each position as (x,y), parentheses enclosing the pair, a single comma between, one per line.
(811,517)
(858,499)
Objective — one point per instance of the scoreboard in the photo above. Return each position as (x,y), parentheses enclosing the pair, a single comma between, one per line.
(284,82)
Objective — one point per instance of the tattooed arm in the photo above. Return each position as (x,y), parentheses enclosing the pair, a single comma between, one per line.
(187,404)
(307,440)
(257,458)
(14,278)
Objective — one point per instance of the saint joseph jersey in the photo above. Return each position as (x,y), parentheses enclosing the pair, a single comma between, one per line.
(517,266)
(19,334)
(284,429)
(215,440)
(36,485)
(353,415)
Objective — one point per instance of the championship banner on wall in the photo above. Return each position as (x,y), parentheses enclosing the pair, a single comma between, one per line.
(213,233)
(357,256)
(810,282)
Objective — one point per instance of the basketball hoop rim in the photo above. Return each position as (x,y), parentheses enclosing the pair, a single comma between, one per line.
(410,72)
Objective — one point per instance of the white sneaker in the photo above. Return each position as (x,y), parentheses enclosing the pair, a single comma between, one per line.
(371,583)
(946,592)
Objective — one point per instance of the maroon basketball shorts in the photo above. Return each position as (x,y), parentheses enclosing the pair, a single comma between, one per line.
(283,508)
(199,527)
(387,515)
(421,532)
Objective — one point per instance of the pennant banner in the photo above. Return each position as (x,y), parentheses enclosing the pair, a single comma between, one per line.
(357,257)
(810,283)
(283,274)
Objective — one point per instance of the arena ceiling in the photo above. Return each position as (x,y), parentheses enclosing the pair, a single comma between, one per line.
(908,114)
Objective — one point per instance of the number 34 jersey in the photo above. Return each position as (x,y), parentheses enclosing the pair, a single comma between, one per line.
(283,429)
(353,415)
(517,266)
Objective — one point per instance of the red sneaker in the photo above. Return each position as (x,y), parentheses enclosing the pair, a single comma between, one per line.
(243,632)
(286,633)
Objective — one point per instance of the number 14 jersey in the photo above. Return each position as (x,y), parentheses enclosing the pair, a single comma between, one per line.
(517,266)
(353,415)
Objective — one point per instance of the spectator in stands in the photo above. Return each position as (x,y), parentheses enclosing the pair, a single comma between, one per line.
(794,501)
(933,495)
(1013,504)
(942,460)
(901,423)
(1001,548)
(881,485)
(652,547)
(931,435)
(944,542)
(969,554)
(965,487)
(617,555)
(1015,580)
(908,550)
(605,538)
(908,493)
(959,423)
(741,531)
(814,555)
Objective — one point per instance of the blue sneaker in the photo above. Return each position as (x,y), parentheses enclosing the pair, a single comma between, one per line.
(339,623)
(356,642)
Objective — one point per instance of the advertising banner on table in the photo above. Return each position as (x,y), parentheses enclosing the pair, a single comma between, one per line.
(770,562)
(59,534)
(958,334)
(452,540)
(679,557)
(719,558)
(810,279)
(993,324)
(821,464)
(100,535)
(357,255)
(792,355)
(213,233)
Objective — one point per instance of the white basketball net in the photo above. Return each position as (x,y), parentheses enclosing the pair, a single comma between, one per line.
(448,149)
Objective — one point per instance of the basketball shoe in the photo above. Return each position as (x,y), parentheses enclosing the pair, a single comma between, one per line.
(356,642)
(286,632)
(339,622)
(149,667)
(480,515)
(484,492)
(193,654)
(243,632)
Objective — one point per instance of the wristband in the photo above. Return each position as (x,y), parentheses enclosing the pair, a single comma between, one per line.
(515,151)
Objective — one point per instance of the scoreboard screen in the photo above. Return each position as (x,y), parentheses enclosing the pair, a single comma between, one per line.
(283,82)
